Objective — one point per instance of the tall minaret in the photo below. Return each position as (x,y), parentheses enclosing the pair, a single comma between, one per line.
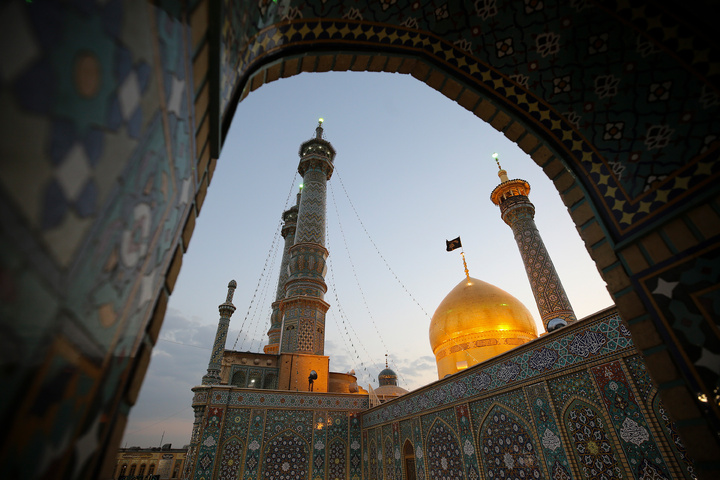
(212,377)
(288,232)
(304,306)
(517,211)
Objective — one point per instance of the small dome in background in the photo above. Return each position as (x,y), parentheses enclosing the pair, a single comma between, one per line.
(388,380)
(387,377)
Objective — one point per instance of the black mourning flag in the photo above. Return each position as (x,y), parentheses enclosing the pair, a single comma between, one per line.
(453,244)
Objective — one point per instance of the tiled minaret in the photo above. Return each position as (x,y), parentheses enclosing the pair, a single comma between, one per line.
(303,306)
(518,212)
(212,377)
(288,232)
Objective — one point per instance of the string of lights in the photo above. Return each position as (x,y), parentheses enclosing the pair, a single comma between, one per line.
(270,251)
(343,317)
(264,309)
(257,287)
(184,344)
(357,281)
(377,250)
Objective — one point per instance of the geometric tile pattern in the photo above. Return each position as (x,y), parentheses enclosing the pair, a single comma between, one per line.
(375,457)
(467,440)
(548,430)
(278,434)
(212,427)
(593,447)
(285,458)
(337,464)
(550,296)
(668,427)
(507,446)
(287,399)
(389,459)
(509,429)
(444,457)
(288,234)
(628,419)
(568,347)
(95,187)
(311,216)
(320,447)
(687,294)
(580,421)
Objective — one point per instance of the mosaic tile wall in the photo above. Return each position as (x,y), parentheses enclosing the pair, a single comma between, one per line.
(96,181)
(589,411)
(279,435)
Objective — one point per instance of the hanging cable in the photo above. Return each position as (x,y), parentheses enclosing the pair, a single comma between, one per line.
(272,248)
(257,287)
(184,344)
(376,247)
(263,306)
(357,280)
(377,250)
(342,315)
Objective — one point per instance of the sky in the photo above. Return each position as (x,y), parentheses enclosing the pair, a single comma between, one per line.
(412,170)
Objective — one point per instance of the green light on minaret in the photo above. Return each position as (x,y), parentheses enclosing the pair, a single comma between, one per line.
(495,155)
(301,186)
(321,120)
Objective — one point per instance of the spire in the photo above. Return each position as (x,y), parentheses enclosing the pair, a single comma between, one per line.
(467,272)
(319,129)
(212,377)
(501,173)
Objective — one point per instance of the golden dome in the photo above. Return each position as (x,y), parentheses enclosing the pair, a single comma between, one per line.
(477,321)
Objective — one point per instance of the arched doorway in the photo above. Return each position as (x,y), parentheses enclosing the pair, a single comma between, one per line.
(408,460)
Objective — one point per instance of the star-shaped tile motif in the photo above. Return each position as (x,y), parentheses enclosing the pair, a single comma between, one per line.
(665,288)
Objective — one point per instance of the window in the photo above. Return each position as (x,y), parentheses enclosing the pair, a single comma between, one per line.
(141,472)
(254,379)
(238,379)
(132,470)
(176,470)
(269,382)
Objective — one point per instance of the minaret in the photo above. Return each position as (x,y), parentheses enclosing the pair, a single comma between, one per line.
(304,306)
(212,377)
(288,232)
(518,212)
